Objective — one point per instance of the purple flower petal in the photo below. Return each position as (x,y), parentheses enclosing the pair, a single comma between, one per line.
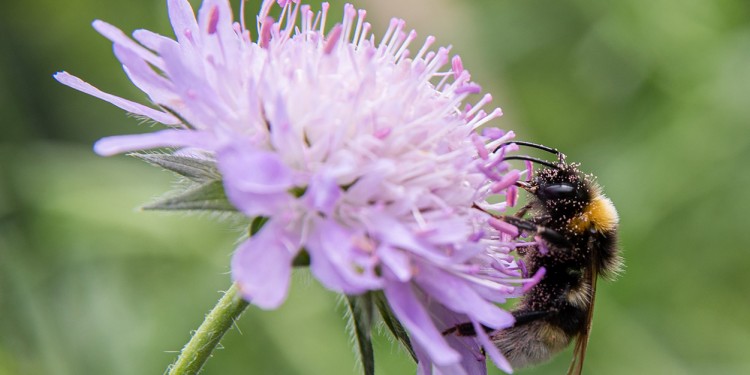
(323,193)
(260,172)
(472,357)
(158,88)
(182,16)
(262,266)
(489,347)
(412,314)
(72,81)
(397,261)
(257,183)
(109,146)
(150,39)
(335,262)
(120,39)
(457,295)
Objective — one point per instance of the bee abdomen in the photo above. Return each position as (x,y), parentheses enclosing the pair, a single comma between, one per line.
(532,343)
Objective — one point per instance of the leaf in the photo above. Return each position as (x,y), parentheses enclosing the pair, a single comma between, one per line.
(393,324)
(196,169)
(361,313)
(209,196)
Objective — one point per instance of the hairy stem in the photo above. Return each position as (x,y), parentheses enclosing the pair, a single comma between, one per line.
(197,351)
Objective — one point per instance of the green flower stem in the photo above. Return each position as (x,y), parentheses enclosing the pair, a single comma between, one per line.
(197,351)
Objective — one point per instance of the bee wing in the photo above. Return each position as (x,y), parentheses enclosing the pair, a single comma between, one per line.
(582,342)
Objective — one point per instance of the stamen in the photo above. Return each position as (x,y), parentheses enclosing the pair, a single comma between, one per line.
(242,14)
(480,147)
(213,19)
(365,30)
(497,112)
(508,180)
(349,14)
(333,38)
(323,17)
(530,168)
(292,20)
(534,280)
(391,29)
(511,195)
(358,28)
(409,38)
(306,21)
(503,227)
(265,32)
(485,99)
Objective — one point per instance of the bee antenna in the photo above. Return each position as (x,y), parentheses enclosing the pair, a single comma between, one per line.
(529,144)
(560,155)
(534,160)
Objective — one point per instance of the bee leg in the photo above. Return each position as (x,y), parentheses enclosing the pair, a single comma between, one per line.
(522,211)
(465,329)
(522,317)
(550,236)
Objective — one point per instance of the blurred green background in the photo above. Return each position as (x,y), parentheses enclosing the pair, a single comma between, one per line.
(650,95)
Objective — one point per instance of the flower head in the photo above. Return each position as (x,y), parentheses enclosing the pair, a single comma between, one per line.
(357,151)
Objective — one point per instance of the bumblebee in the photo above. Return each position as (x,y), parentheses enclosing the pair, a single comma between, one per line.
(575,231)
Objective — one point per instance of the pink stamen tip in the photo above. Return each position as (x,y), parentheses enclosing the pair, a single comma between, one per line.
(530,170)
(333,38)
(534,280)
(511,195)
(213,19)
(541,246)
(476,236)
(265,32)
(480,147)
(383,133)
(349,10)
(458,66)
(509,179)
(493,133)
(522,266)
(503,227)
(471,88)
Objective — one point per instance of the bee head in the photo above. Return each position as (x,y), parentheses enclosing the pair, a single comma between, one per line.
(562,191)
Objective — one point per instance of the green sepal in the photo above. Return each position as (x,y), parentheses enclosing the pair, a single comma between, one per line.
(393,324)
(195,169)
(361,314)
(257,223)
(302,259)
(208,196)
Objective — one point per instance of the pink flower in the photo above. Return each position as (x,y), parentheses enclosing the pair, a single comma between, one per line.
(355,150)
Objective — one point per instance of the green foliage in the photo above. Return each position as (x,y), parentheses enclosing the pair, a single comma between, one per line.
(651,96)
(361,314)
(208,196)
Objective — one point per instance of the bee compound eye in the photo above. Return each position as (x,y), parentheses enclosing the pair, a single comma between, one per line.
(558,191)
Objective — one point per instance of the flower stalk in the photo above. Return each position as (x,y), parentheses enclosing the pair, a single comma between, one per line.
(197,351)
